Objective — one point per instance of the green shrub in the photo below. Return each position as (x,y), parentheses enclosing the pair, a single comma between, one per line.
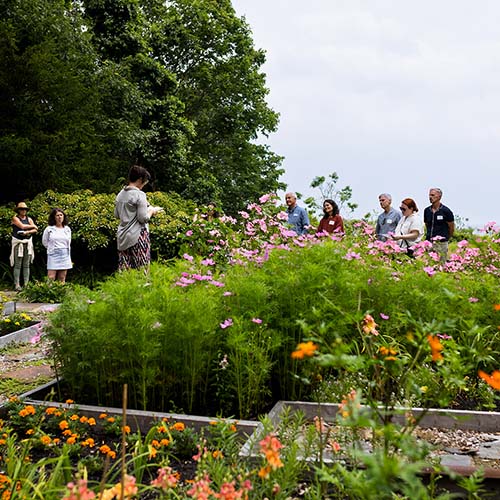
(45,291)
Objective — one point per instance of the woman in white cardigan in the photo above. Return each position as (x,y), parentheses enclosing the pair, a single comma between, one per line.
(57,239)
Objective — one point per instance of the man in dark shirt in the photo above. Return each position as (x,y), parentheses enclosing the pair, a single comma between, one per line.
(440,223)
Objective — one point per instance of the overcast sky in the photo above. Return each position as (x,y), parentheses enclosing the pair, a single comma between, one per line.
(394,95)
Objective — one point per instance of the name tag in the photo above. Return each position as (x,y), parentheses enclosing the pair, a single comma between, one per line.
(295,215)
(439,217)
(331,223)
(389,221)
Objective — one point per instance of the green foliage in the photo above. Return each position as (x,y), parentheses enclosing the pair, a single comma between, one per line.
(91,87)
(94,226)
(46,291)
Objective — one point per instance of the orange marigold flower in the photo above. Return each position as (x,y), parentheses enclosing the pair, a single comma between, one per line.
(3,441)
(217,454)
(27,410)
(164,442)
(103,415)
(126,429)
(74,417)
(111,420)
(69,401)
(304,349)
(232,428)
(155,443)
(29,432)
(91,421)
(50,410)
(436,347)
(63,424)
(178,426)
(104,449)
(83,419)
(368,325)
(492,380)
(67,432)
(71,440)
(496,307)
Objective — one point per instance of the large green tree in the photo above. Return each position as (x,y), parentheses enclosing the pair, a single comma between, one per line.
(87,87)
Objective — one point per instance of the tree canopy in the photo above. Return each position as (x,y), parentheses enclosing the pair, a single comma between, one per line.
(89,87)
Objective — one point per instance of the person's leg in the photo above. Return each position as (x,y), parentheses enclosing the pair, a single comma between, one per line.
(61,275)
(51,274)
(17,271)
(26,268)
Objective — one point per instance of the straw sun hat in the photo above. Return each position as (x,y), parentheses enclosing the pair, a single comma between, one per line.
(20,206)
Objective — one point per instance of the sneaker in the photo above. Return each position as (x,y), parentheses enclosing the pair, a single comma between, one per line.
(18,288)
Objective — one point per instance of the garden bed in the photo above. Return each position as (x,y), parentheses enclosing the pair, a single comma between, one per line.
(20,336)
(462,441)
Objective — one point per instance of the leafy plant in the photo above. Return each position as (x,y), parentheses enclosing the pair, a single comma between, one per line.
(45,291)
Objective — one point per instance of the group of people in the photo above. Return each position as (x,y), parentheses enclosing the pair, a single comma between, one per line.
(407,229)
(56,238)
(403,226)
(134,212)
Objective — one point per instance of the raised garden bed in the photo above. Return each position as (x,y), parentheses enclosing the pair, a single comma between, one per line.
(20,336)
(136,419)
(462,441)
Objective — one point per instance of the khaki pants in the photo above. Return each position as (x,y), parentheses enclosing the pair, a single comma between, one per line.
(441,248)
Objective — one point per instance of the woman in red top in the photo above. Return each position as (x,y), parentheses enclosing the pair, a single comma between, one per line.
(331,221)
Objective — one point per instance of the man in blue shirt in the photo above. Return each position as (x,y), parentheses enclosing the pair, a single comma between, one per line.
(297,216)
(440,223)
(388,219)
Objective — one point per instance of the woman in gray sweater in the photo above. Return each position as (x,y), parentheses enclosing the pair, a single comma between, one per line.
(131,207)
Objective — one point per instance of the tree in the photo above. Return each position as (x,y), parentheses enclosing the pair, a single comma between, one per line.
(90,86)
(329,190)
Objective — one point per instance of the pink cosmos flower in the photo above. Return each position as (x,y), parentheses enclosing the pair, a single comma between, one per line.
(352,256)
(226,323)
(444,336)
(189,232)
(473,299)
(384,316)
(208,262)
(257,321)
(188,257)
(265,198)
(430,270)
(227,294)
(217,283)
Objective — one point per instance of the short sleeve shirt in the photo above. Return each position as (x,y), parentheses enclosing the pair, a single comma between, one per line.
(387,223)
(437,222)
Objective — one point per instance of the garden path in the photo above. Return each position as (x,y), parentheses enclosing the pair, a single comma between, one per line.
(24,366)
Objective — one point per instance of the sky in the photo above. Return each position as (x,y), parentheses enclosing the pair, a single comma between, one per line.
(395,96)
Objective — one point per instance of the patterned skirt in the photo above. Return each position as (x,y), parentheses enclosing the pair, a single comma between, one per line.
(136,256)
